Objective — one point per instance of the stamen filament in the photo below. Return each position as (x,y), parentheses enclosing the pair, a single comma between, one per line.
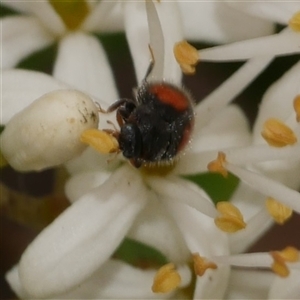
(267,186)
(243,238)
(224,94)
(283,43)
(177,189)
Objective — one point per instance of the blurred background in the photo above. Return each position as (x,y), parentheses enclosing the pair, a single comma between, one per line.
(30,201)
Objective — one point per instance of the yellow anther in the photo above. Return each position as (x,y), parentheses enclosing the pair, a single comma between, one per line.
(279,266)
(217,165)
(277,134)
(201,264)
(279,212)
(230,219)
(166,279)
(290,254)
(100,140)
(187,57)
(297,107)
(72,12)
(294,22)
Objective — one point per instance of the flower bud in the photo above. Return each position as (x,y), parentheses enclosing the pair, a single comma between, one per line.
(47,132)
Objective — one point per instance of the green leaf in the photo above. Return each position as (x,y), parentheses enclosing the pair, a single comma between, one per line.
(139,254)
(6,11)
(215,185)
(41,60)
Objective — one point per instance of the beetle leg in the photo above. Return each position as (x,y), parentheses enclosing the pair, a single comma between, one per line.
(151,65)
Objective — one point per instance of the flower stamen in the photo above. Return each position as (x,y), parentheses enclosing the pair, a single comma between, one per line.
(231,220)
(166,279)
(297,107)
(277,134)
(279,212)
(201,264)
(294,22)
(289,254)
(217,165)
(187,57)
(100,140)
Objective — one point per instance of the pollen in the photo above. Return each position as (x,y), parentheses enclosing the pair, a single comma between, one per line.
(201,264)
(277,134)
(279,266)
(279,212)
(297,107)
(289,254)
(166,279)
(230,220)
(187,57)
(294,22)
(217,166)
(100,140)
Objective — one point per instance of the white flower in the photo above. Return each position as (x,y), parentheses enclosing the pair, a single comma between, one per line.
(283,43)
(70,258)
(48,21)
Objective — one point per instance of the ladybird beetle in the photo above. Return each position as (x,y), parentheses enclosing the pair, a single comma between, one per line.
(156,125)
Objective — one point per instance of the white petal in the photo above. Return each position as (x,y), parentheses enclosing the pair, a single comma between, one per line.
(20,88)
(155,227)
(235,132)
(80,240)
(277,102)
(248,200)
(106,16)
(232,124)
(81,183)
(170,19)
(47,133)
(21,36)
(245,284)
(42,10)
(224,94)
(13,279)
(91,160)
(82,63)
(275,11)
(268,187)
(183,191)
(286,288)
(137,33)
(192,163)
(214,21)
(115,280)
(136,29)
(287,42)
(202,236)
(252,205)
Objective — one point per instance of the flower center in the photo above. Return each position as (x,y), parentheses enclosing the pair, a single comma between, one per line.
(157,170)
(72,12)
